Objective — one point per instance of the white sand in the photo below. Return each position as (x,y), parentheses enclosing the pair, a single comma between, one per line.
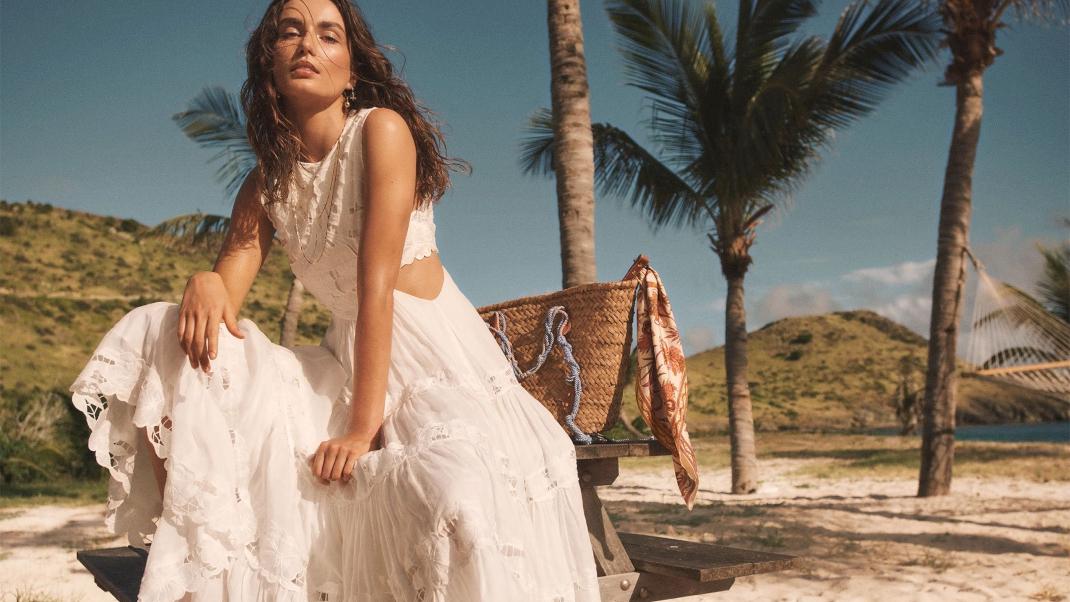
(868,539)
(37,546)
(860,539)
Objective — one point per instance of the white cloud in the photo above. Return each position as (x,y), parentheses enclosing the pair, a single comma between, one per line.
(788,300)
(910,310)
(698,338)
(907,272)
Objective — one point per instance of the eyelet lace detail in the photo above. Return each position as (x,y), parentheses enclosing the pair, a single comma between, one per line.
(303,222)
(118,391)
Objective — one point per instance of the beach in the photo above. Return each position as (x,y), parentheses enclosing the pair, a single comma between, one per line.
(855,523)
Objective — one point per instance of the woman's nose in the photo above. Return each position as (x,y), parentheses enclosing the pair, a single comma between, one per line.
(308,42)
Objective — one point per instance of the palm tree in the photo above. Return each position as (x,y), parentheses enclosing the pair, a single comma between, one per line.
(214,120)
(1054,284)
(738,129)
(970,27)
(574,165)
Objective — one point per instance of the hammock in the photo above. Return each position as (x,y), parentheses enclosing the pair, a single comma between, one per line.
(1014,338)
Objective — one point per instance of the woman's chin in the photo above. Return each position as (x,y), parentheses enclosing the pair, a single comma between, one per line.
(307,96)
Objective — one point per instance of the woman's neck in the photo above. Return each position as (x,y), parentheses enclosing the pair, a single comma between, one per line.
(319,130)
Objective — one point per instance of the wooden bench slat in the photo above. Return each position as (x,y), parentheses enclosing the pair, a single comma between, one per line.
(698,561)
(621,449)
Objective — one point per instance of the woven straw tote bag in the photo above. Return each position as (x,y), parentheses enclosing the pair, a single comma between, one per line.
(582,331)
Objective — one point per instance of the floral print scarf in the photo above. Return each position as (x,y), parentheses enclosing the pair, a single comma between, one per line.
(661,381)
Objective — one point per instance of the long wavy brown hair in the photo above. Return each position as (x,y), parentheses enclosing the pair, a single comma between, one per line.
(275,139)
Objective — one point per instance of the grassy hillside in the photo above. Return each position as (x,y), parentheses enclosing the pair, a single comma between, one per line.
(840,371)
(67,276)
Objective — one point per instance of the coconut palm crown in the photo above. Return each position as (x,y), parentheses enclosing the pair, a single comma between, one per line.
(738,128)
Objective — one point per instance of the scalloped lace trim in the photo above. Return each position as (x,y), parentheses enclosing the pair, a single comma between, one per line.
(118,386)
(118,392)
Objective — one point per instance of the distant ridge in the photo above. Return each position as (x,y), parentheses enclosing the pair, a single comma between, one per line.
(66,276)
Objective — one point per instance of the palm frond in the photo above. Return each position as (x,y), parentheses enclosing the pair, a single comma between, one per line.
(664,47)
(623,168)
(193,229)
(214,120)
(1054,284)
(762,29)
(867,54)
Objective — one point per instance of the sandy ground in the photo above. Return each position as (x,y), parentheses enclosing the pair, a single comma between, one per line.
(866,538)
(859,539)
(37,546)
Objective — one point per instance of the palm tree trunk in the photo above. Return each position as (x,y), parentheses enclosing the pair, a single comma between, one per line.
(740,416)
(941,379)
(292,316)
(573,155)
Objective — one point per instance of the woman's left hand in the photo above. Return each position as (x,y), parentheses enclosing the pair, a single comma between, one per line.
(335,458)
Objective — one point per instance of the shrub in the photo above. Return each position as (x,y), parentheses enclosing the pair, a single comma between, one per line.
(8,225)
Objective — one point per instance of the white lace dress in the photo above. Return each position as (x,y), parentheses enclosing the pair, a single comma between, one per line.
(473,495)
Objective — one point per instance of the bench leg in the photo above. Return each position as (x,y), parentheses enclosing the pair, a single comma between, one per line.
(609,553)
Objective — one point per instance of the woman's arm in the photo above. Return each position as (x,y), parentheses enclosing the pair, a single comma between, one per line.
(211,297)
(247,243)
(390,190)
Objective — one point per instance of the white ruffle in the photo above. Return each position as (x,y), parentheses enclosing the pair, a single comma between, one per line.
(234,517)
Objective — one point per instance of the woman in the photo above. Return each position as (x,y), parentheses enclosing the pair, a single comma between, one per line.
(398,460)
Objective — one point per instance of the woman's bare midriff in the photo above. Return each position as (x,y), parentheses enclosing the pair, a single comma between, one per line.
(422,278)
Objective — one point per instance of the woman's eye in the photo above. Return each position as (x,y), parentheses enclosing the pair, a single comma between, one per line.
(330,39)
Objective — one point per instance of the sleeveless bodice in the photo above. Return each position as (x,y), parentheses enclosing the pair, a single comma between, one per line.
(319,222)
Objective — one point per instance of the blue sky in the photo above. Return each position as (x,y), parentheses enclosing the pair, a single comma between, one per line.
(87,90)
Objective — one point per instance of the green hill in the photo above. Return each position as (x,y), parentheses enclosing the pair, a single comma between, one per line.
(840,371)
(67,276)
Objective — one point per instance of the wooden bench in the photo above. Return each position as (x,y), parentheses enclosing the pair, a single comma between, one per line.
(631,566)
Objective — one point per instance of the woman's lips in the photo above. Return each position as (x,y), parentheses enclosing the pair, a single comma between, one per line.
(302,72)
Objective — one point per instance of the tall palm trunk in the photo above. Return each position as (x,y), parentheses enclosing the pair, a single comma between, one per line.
(740,415)
(290,318)
(735,259)
(941,380)
(573,142)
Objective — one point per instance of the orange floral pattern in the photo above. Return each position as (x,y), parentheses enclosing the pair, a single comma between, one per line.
(661,381)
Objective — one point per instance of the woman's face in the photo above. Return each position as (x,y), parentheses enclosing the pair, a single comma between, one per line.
(311,32)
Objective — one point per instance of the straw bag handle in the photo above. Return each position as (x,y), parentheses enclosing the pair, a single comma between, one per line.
(498,327)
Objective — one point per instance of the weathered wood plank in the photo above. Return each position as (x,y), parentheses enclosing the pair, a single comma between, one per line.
(116,570)
(621,449)
(609,554)
(696,561)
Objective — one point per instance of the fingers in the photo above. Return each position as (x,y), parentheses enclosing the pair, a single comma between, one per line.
(199,339)
(329,457)
(333,462)
(344,459)
(232,325)
(347,469)
(213,337)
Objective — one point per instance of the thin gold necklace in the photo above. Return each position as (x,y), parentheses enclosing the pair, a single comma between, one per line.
(327,204)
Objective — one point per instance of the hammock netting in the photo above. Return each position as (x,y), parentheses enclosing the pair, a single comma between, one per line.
(1014,338)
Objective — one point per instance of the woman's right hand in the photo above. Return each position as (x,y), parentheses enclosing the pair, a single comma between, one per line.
(204,304)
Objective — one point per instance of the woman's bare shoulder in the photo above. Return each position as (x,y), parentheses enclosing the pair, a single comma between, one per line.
(387,135)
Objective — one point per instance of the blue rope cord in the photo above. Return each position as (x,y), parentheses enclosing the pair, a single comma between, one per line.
(549,338)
